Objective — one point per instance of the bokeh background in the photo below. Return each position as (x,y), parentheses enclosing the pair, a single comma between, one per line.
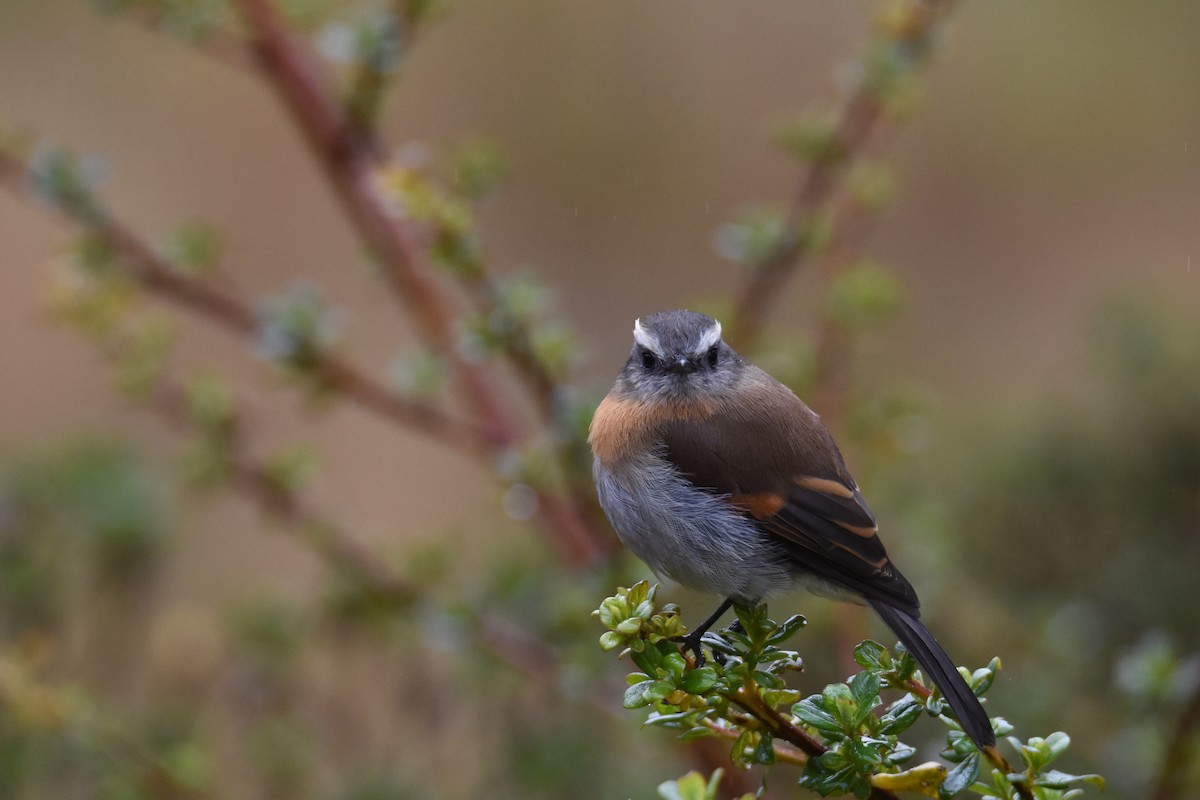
(1043,491)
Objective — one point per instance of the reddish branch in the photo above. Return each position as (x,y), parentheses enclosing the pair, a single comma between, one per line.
(258,481)
(1180,754)
(862,121)
(749,699)
(562,517)
(350,161)
(226,310)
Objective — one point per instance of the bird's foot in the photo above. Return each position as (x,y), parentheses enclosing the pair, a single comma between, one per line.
(691,643)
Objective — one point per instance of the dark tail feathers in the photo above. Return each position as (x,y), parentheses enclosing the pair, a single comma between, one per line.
(938,667)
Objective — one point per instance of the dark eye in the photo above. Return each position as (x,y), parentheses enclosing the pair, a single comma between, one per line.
(648,359)
(714,353)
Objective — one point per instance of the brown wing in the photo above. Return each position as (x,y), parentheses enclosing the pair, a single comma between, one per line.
(773,458)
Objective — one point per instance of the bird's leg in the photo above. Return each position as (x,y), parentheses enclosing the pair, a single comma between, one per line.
(691,641)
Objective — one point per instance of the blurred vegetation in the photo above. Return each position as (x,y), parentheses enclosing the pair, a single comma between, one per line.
(428,677)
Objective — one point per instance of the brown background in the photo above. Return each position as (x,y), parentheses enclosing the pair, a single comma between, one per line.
(1055,161)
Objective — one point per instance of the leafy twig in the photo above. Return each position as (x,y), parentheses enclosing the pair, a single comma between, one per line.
(1180,751)
(350,162)
(226,310)
(863,119)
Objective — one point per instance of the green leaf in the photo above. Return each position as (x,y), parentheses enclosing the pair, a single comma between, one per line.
(142,359)
(420,373)
(872,185)
(787,629)
(865,296)
(764,751)
(810,711)
(839,701)
(962,776)
(610,640)
(479,169)
(813,138)
(768,681)
(674,720)
(753,239)
(778,697)
(291,468)
(636,695)
(699,681)
(900,753)
(195,248)
(901,715)
(865,688)
(865,757)
(68,182)
(675,664)
(1056,745)
(982,679)
(1054,779)
(872,655)
(295,328)
(657,690)
(690,787)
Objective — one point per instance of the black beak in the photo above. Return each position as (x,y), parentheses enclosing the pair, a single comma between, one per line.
(681,365)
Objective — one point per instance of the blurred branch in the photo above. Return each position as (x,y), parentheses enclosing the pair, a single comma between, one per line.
(1180,752)
(515,646)
(160,278)
(260,482)
(350,159)
(219,43)
(832,357)
(907,26)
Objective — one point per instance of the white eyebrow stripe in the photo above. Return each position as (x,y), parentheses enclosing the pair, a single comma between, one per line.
(709,338)
(645,338)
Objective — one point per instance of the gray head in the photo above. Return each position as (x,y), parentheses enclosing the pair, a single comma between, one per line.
(677,355)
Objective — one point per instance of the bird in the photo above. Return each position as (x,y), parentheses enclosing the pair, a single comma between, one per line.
(723,480)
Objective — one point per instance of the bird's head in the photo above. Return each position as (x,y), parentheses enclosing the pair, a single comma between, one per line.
(679,356)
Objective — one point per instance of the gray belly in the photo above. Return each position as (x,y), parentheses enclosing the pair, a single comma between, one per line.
(689,535)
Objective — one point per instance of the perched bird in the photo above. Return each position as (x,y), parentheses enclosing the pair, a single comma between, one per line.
(719,477)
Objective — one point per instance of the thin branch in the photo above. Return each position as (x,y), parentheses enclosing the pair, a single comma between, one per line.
(749,699)
(564,517)
(517,647)
(832,356)
(225,309)
(783,752)
(258,481)
(1180,752)
(862,120)
(220,44)
(350,161)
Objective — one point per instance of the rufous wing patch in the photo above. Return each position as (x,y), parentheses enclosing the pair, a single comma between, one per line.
(857,530)
(762,505)
(825,486)
(840,495)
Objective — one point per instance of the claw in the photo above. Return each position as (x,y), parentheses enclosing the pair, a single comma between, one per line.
(691,642)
